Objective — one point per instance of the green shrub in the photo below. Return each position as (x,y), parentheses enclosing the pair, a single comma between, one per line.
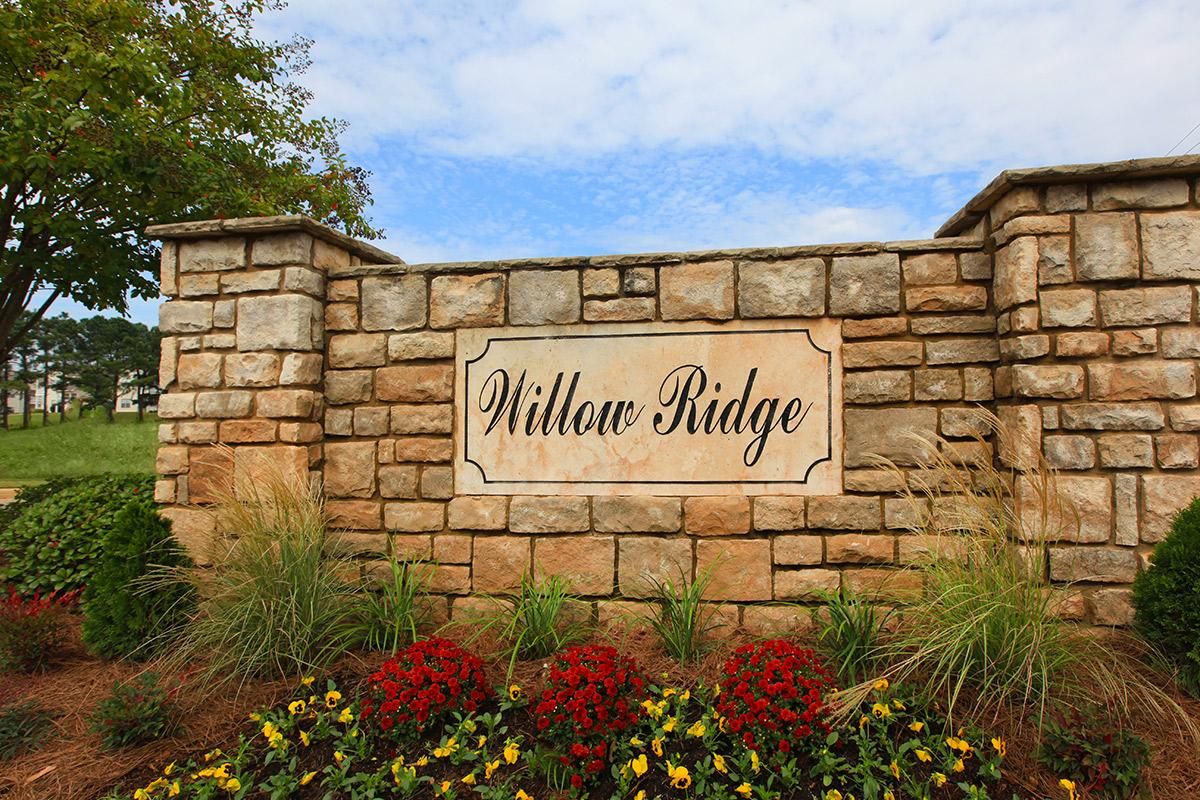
(388,614)
(32,630)
(135,713)
(1087,747)
(30,495)
(681,620)
(123,616)
(22,727)
(850,634)
(1166,597)
(53,544)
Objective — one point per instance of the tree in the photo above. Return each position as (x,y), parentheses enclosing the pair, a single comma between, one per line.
(110,352)
(52,336)
(117,114)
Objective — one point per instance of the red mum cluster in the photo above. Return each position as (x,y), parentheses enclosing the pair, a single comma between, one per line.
(421,686)
(593,691)
(773,696)
(32,628)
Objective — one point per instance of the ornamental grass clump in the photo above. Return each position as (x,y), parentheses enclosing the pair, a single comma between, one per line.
(851,634)
(274,602)
(389,610)
(421,688)
(681,619)
(591,695)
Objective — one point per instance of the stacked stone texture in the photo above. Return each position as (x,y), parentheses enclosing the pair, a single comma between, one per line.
(1066,307)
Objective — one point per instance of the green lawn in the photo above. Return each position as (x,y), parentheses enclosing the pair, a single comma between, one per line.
(89,446)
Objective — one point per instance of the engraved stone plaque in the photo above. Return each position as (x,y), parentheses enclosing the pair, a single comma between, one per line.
(651,408)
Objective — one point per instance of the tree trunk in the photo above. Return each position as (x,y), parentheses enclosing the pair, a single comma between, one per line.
(46,396)
(4,395)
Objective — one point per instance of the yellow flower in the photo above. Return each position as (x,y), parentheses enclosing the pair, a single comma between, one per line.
(916,727)
(863,720)
(297,707)
(958,765)
(881,685)
(209,756)
(141,794)
(269,730)
(445,786)
(687,695)
(480,742)
(939,780)
(754,761)
(1069,785)
(469,725)
(514,692)
(511,751)
(338,756)
(881,710)
(656,746)
(451,746)
(697,729)
(719,763)
(641,795)
(469,779)
(680,778)
(669,692)
(522,796)
(232,785)
(669,725)
(636,742)
(961,745)
(346,717)
(896,704)
(169,768)
(332,698)
(255,716)
(489,768)
(307,779)
(744,790)
(276,741)
(639,765)
(1000,747)
(423,761)
(895,768)
(923,756)
(306,682)
(833,794)
(304,738)
(888,795)
(173,790)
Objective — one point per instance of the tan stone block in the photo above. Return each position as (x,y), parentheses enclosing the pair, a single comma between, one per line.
(467,301)
(619,309)
(1112,416)
(168,275)
(1106,247)
(212,255)
(398,481)
(543,297)
(975,266)
(422,418)
(978,384)
(1142,380)
(1016,278)
(622,613)
(806,584)
(697,291)
(341,291)
(221,405)
(548,514)
(777,620)
(1181,343)
(1141,194)
(185,316)
(1185,418)
(1111,606)
(452,548)
(341,317)
(781,513)
(1085,344)
(1151,306)
(1057,381)
(164,491)
(637,514)
(171,460)
(962,423)
(437,483)
(199,370)
(224,314)
(741,568)
(798,550)
(856,355)
(930,269)
(350,543)
(263,280)
(347,351)
(211,475)
(844,512)
(422,345)
(282,248)
(197,432)
(1125,510)
(1092,564)
(716,516)
(1033,226)
(945,298)
(1020,436)
(279,322)
(1024,348)
(414,517)
(415,383)
(394,302)
(872,480)
(904,513)
(782,288)
(199,285)
(1054,260)
(586,562)
(1171,246)
(1069,452)
(855,548)
(483,513)
(300,432)
(864,285)
(874,327)
(961,351)
(1066,197)
(888,433)
(1068,308)
(898,585)
(168,433)
(601,282)
(1076,508)
(302,369)
(1162,497)
(371,420)
(1136,342)
(499,562)
(1026,320)
(300,403)
(639,281)
(877,386)
(193,529)
(1177,451)
(1015,202)
(303,279)
(244,431)
(924,548)
(937,384)
(424,449)
(350,469)
(450,579)
(348,386)
(252,369)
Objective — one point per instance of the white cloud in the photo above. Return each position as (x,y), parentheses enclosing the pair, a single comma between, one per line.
(925,86)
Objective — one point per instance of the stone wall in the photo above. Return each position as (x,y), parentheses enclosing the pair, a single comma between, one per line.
(1062,299)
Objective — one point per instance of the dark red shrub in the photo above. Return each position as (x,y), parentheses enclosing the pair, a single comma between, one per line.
(32,629)
(421,686)
(772,696)
(593,692)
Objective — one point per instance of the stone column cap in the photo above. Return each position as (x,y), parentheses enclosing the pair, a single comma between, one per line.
(1131,169)
(249,226)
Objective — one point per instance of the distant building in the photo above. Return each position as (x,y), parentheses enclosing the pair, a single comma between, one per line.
(52,399)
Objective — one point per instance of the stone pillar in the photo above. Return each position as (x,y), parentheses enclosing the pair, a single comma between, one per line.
(242,353)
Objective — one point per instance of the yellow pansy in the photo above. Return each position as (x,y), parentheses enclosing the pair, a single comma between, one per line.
(346,717)
(863,720)
(641,795)
(445,786)
(1069,785)
(895,768)
(680,778)
(754,761)
(511,751)
(423,761)
(639,765)
(744,790)
(896,704)
(307,779)
(339,756)
(833,794)
(939,780)
(332,698)
(888,795)
(269,730)
(469,779)
(174,789)
(297,707)
(961,745)
(916,727)
(521,795)
(514,692)
(959,766)
(636,742)
(232,785)
(304,738)
(656,746)
(169,768)
(923,756)
(881,710)
(719,763)
(489,768)
(670,724)
(308,681)
(480,742)
(881,685)
(1000,747)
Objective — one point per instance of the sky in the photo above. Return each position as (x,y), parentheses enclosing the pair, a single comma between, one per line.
(564,127)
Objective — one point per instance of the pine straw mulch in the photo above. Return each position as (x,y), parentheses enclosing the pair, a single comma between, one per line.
(70,765)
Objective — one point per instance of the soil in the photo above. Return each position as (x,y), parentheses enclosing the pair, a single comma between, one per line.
(70,764)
